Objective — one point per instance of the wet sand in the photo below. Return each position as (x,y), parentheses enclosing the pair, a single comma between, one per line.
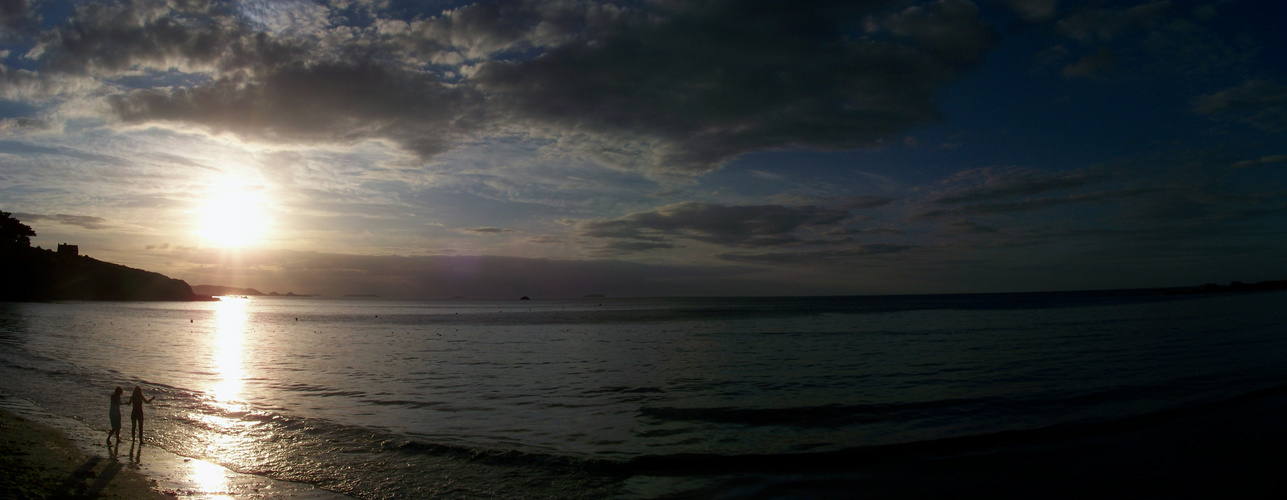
(50,456)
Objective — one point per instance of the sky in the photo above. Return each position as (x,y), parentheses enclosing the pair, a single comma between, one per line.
(558,148)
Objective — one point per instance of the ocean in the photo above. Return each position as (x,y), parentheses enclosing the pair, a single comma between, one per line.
(630,398)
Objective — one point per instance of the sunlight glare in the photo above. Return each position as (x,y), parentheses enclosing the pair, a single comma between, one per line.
(233,218)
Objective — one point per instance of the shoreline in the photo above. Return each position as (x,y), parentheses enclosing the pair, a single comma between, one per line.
(46,455)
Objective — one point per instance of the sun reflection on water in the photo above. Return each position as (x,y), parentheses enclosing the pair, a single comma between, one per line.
(226,435)
(230,314)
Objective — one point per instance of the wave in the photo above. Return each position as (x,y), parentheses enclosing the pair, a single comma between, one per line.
(824,416)
(686,464)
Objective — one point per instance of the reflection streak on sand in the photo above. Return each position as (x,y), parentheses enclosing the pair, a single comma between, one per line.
(212,479)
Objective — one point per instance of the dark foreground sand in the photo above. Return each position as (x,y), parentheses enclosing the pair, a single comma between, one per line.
(39,462)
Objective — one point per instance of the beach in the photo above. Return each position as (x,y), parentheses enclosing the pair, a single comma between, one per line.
(40,462)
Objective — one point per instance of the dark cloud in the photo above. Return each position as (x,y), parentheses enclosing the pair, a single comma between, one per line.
(865,202)
(679,86)
(486,230)
(546,239)
(1100,62)
(705,81)
(82,221)
(1042,203)
(967,227)
(15,15)
(109,38)
(1261,103)
(1103,24)
(1264,160)
(619,247)
(24,124)
(994,183)
(817,256)
(846,231)
(1033,10)
(339,102)
(741,226)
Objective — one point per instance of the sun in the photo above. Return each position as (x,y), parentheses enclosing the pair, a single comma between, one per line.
(233,218)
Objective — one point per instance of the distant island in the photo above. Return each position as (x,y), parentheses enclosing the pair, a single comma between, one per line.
(218,290)
(34,274)
(224,290)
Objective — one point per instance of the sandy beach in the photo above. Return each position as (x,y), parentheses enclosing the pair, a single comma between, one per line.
(39,462)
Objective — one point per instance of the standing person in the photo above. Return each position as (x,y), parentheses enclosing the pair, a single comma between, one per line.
(114,414)
(136,415)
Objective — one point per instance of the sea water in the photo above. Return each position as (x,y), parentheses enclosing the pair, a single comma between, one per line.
(599,397)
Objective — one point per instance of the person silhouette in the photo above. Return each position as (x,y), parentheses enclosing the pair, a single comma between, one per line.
(114,415)
(136,414)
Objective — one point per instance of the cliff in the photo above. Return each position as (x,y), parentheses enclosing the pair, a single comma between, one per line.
(33,274)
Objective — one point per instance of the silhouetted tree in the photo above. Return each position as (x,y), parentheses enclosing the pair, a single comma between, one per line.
(14,233)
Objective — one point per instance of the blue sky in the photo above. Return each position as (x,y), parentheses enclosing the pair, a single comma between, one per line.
(558,148)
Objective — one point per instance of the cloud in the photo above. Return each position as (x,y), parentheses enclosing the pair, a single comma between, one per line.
(1101,61)
(27,85)
(546,239)
(739,226)
(1092,25)
(82,221)
(993,183)
(1260,103)
(866,202)
(698,83)
(1042,203)
(817,256)
(486,230)
(967,227)
(619,247)
(672,87)
(1034,10)
(10,126)
(1264,160)
(15,14)
(105,39)
(333,102)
